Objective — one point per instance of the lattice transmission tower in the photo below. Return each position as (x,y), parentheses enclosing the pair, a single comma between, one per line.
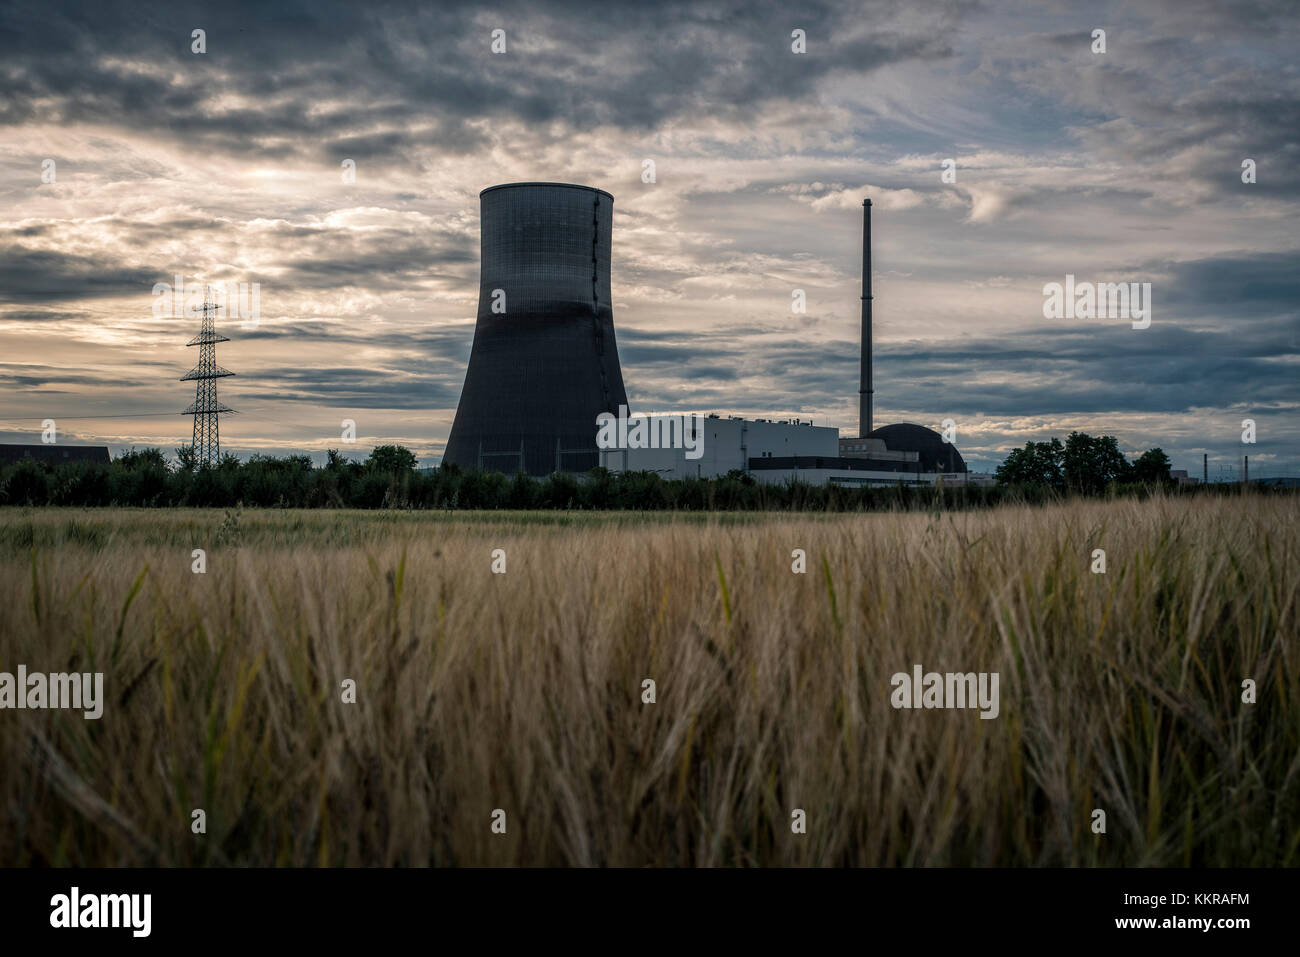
(206,407)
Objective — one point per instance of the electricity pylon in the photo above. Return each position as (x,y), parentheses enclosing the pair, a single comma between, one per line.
(206,408)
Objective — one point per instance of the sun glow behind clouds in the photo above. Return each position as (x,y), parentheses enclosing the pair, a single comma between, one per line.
(229,168)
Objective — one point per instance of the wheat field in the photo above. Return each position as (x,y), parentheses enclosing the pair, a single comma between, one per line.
(522,692)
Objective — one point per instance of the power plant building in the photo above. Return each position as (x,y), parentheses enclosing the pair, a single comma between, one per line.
(544,366)
(54,453)
(779,451)
(725,445)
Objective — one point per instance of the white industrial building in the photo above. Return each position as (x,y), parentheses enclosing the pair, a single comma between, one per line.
(727,444)
(780,451)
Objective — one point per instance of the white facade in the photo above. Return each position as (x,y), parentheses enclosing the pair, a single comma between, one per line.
(728,444)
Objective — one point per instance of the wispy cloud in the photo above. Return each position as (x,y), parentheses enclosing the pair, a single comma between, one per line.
(226,166)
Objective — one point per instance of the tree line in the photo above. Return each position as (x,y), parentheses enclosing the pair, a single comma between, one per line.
(1084,463)
(388,478)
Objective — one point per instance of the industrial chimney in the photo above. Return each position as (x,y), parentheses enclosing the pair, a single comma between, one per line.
(544,362)
(865,392)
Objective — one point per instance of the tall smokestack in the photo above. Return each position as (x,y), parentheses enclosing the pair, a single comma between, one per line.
(865,391)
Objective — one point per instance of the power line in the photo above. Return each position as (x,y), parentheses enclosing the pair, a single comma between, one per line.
(78,418)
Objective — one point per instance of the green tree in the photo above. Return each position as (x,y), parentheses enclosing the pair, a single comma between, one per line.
(392,459)
(1038,463)
(187,460)
(139,477)
(524,491)
(1092,463)
(146,460)
(27,484)
(1152,466)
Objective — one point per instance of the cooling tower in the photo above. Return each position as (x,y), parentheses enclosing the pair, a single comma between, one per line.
(544,362)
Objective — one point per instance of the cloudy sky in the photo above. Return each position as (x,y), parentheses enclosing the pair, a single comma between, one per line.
(227,166)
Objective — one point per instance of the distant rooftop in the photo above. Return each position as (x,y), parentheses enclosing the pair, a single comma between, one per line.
(55,453)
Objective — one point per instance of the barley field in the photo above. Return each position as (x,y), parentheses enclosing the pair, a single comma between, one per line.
(522,692)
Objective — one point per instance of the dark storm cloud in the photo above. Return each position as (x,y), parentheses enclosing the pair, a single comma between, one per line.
(1183,93)
(681,355)
(356,388)
(1233,287)
(352,79)
(315,257)
(1109,368)
(1215,18)
(45,381)
(449,342)
(38,315)
(407,264)
(37,275)
(1148,136)
(1083,367)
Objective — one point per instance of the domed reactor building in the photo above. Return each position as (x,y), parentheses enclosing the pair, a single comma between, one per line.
(544,362)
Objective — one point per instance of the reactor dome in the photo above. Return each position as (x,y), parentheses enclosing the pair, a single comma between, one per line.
(936,455)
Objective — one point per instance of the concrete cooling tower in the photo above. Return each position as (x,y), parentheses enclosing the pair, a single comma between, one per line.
(544,362)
